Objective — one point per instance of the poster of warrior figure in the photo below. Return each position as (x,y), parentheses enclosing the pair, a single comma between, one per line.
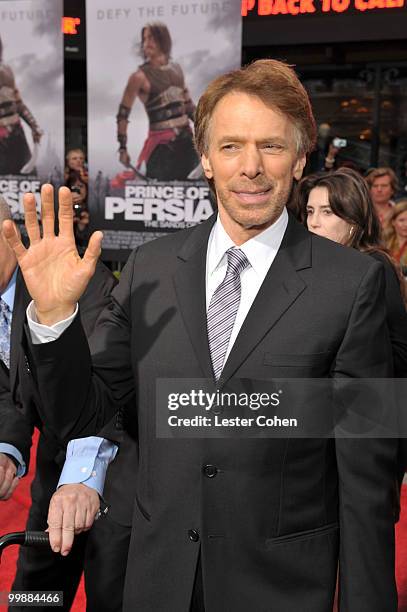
(145,176)
(31,98)
(168,152)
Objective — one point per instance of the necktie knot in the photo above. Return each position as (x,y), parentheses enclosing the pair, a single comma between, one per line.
(237,261)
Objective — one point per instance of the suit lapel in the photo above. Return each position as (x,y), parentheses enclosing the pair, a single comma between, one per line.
(21,300)
(190,287)
(280,289)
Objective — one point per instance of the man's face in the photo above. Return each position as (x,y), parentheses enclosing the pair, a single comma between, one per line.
(76,160)
(381,190)
(252,160)
(150,47)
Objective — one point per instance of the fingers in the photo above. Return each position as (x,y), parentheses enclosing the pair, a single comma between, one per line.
(47,210)
(61,524)
(93,251)
(89,519)
(12,488)
(55,514)
(31,221)
(93,513)
(13,238)
(72,510)
(65,213)
(68,530)
(7,476)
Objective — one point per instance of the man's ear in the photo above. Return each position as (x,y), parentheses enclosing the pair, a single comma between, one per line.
(299,167)
(206,165)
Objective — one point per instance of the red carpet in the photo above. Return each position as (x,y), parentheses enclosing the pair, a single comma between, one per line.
(14,512)
(13,515)
(401,553)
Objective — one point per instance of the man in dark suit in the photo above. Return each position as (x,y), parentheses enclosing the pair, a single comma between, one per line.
(229,524)
(14,427)
(21,411)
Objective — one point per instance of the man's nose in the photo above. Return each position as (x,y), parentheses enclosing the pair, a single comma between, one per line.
(252,163)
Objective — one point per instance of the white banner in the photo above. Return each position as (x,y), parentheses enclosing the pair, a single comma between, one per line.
(31,98)
(147,66)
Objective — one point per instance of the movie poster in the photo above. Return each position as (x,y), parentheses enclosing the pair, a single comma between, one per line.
(31,99)
(148,63)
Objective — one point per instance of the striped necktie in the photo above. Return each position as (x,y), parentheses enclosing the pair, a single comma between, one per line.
(5,332)
(223,308)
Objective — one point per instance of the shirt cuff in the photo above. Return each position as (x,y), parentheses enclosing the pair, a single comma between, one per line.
(9,449)
(87,460)
(40,334)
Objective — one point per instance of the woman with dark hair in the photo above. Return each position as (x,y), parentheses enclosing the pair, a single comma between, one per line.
(338,206)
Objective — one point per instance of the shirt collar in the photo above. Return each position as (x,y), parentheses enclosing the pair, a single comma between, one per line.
(8,295)
(260,250)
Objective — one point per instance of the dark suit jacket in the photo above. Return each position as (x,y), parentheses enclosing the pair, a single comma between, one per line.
(397,326)
(20,403)
(15,428)
(396,316)
(276,515)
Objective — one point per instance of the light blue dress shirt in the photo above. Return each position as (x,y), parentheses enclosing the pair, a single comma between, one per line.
(86,462)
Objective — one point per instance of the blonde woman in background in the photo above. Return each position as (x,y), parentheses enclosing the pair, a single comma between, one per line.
(396,234)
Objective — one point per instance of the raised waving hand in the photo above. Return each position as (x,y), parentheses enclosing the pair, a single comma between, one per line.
(55,274)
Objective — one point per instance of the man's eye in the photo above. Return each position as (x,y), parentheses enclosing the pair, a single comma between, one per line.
(273,147)
(229,147)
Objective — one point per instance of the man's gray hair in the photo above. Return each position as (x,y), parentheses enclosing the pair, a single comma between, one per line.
(5,212)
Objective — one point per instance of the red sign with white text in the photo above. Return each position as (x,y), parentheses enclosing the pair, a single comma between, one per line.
(297,7)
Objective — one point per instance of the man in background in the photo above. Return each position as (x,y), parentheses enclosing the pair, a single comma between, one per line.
(383,185)
(21,411)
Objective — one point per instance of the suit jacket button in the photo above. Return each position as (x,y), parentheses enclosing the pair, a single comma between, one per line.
(193,535)
(210,471)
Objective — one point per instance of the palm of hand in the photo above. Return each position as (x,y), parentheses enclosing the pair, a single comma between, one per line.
(54,273)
